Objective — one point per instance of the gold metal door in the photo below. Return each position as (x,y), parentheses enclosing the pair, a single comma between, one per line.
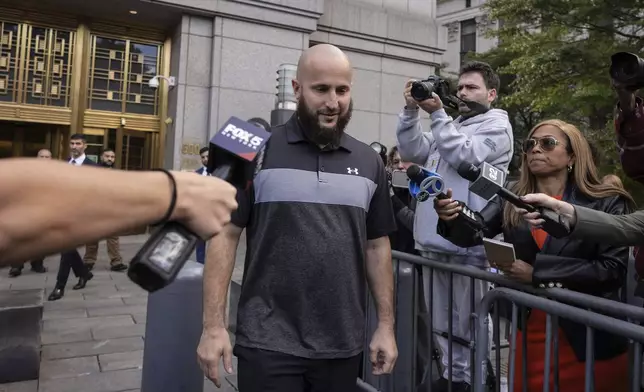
(20,139)
(96,143)
(135,153)
(7,141)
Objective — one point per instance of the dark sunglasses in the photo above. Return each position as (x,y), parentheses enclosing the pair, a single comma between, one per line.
(547,143)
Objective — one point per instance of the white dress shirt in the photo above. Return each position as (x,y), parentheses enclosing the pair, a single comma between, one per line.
(77,161)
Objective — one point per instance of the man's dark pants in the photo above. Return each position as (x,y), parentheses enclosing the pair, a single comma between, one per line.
(271,371)
(70,260)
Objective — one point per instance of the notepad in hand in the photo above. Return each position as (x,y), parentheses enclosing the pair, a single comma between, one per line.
(498,252)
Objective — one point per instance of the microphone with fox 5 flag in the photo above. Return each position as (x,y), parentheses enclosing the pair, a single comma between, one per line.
(424,184)
(488,181)
(232,153)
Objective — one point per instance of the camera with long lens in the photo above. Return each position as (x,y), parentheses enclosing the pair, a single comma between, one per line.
(423,89)
(627,69)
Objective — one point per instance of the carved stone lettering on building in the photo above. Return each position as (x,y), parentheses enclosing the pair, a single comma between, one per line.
(453,31)
(190,159)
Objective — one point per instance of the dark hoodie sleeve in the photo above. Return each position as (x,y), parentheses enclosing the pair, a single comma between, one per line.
(404,214)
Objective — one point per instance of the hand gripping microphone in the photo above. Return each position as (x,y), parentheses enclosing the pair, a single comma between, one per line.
(489,181)
(232,152)
(424,184)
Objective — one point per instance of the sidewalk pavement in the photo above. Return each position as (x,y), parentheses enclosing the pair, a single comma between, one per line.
(92,339)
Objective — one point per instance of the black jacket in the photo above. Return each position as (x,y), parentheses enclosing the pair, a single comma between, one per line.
(575,264)
(404,207)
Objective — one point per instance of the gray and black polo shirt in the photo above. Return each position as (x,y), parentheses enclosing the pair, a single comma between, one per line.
(308,217)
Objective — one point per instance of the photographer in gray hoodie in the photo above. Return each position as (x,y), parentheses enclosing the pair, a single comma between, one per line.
(480,134)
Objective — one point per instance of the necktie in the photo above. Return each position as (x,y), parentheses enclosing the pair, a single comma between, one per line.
(73,162)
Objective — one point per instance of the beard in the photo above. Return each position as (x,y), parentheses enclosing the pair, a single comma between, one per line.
(318,133)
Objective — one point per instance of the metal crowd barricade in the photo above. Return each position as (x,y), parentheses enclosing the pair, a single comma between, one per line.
(592,321)
(417,366)
(172,334)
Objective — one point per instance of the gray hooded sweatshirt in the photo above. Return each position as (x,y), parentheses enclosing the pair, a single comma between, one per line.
(486,137)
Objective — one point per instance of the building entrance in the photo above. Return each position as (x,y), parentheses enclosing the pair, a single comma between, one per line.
(133,149)
(22,139)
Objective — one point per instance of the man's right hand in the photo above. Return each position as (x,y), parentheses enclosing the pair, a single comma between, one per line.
(410,103)
(214,344)
(447,209)
(204,204)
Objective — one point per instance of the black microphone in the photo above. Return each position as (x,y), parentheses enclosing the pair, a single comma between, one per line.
(231,155)
(488,181)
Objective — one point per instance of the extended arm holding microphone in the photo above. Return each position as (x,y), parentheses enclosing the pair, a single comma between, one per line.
(233,150)
(593,225)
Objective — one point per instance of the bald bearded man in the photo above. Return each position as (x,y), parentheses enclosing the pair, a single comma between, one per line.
(317,220)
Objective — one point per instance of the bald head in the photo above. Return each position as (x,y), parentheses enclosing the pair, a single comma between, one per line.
(44,154)
(319,57)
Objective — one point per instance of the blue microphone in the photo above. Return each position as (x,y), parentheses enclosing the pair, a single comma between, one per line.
(424,184)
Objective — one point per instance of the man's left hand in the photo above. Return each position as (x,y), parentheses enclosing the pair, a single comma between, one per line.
(383,350)
(430,105)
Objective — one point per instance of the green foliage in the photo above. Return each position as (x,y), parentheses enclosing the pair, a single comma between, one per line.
(553,58)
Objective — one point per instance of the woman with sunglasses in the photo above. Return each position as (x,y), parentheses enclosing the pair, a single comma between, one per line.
(557,161)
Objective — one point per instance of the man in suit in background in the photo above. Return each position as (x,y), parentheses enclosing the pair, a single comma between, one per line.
(38,264)
(203,153)
(113,248)
(71,259)
(201,245)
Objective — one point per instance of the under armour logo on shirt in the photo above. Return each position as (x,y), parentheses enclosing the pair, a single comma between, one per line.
(352,171)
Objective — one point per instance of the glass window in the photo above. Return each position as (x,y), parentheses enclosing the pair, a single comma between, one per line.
(48,65)
(106,74)
(135,151)
(119,76)
(35,64)
(8,60)
(95,146)
(468,38)
(143,62)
